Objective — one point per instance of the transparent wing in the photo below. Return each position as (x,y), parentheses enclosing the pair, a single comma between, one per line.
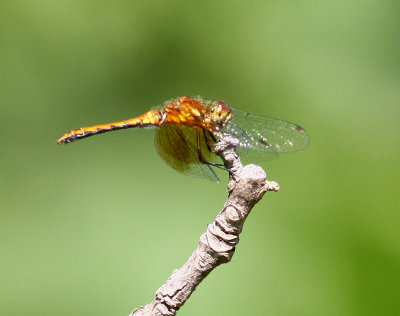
(266,135)
(178,146)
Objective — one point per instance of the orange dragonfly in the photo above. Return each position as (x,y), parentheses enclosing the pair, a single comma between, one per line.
(187,129)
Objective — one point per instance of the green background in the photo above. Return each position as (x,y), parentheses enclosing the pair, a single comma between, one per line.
(95,227)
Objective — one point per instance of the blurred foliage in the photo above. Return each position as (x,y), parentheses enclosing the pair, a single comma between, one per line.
(95,227)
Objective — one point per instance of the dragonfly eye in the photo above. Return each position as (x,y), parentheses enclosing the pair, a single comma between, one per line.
(223,107)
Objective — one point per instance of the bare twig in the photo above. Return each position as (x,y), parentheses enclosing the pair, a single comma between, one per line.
(246,187)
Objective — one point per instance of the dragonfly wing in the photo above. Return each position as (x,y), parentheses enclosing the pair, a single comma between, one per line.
(177,145)
(267,135)
(250,155)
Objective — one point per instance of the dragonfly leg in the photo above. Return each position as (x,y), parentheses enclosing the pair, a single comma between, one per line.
(206,137)
(217,165)
(200,155)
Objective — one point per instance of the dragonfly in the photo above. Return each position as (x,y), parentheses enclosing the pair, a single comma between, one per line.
(188,128)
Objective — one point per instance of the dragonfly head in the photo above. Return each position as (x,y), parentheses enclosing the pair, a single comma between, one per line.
(220,115)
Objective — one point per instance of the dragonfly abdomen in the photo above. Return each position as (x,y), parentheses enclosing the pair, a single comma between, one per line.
(149,119)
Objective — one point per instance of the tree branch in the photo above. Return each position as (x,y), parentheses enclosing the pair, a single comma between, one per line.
(246,187)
